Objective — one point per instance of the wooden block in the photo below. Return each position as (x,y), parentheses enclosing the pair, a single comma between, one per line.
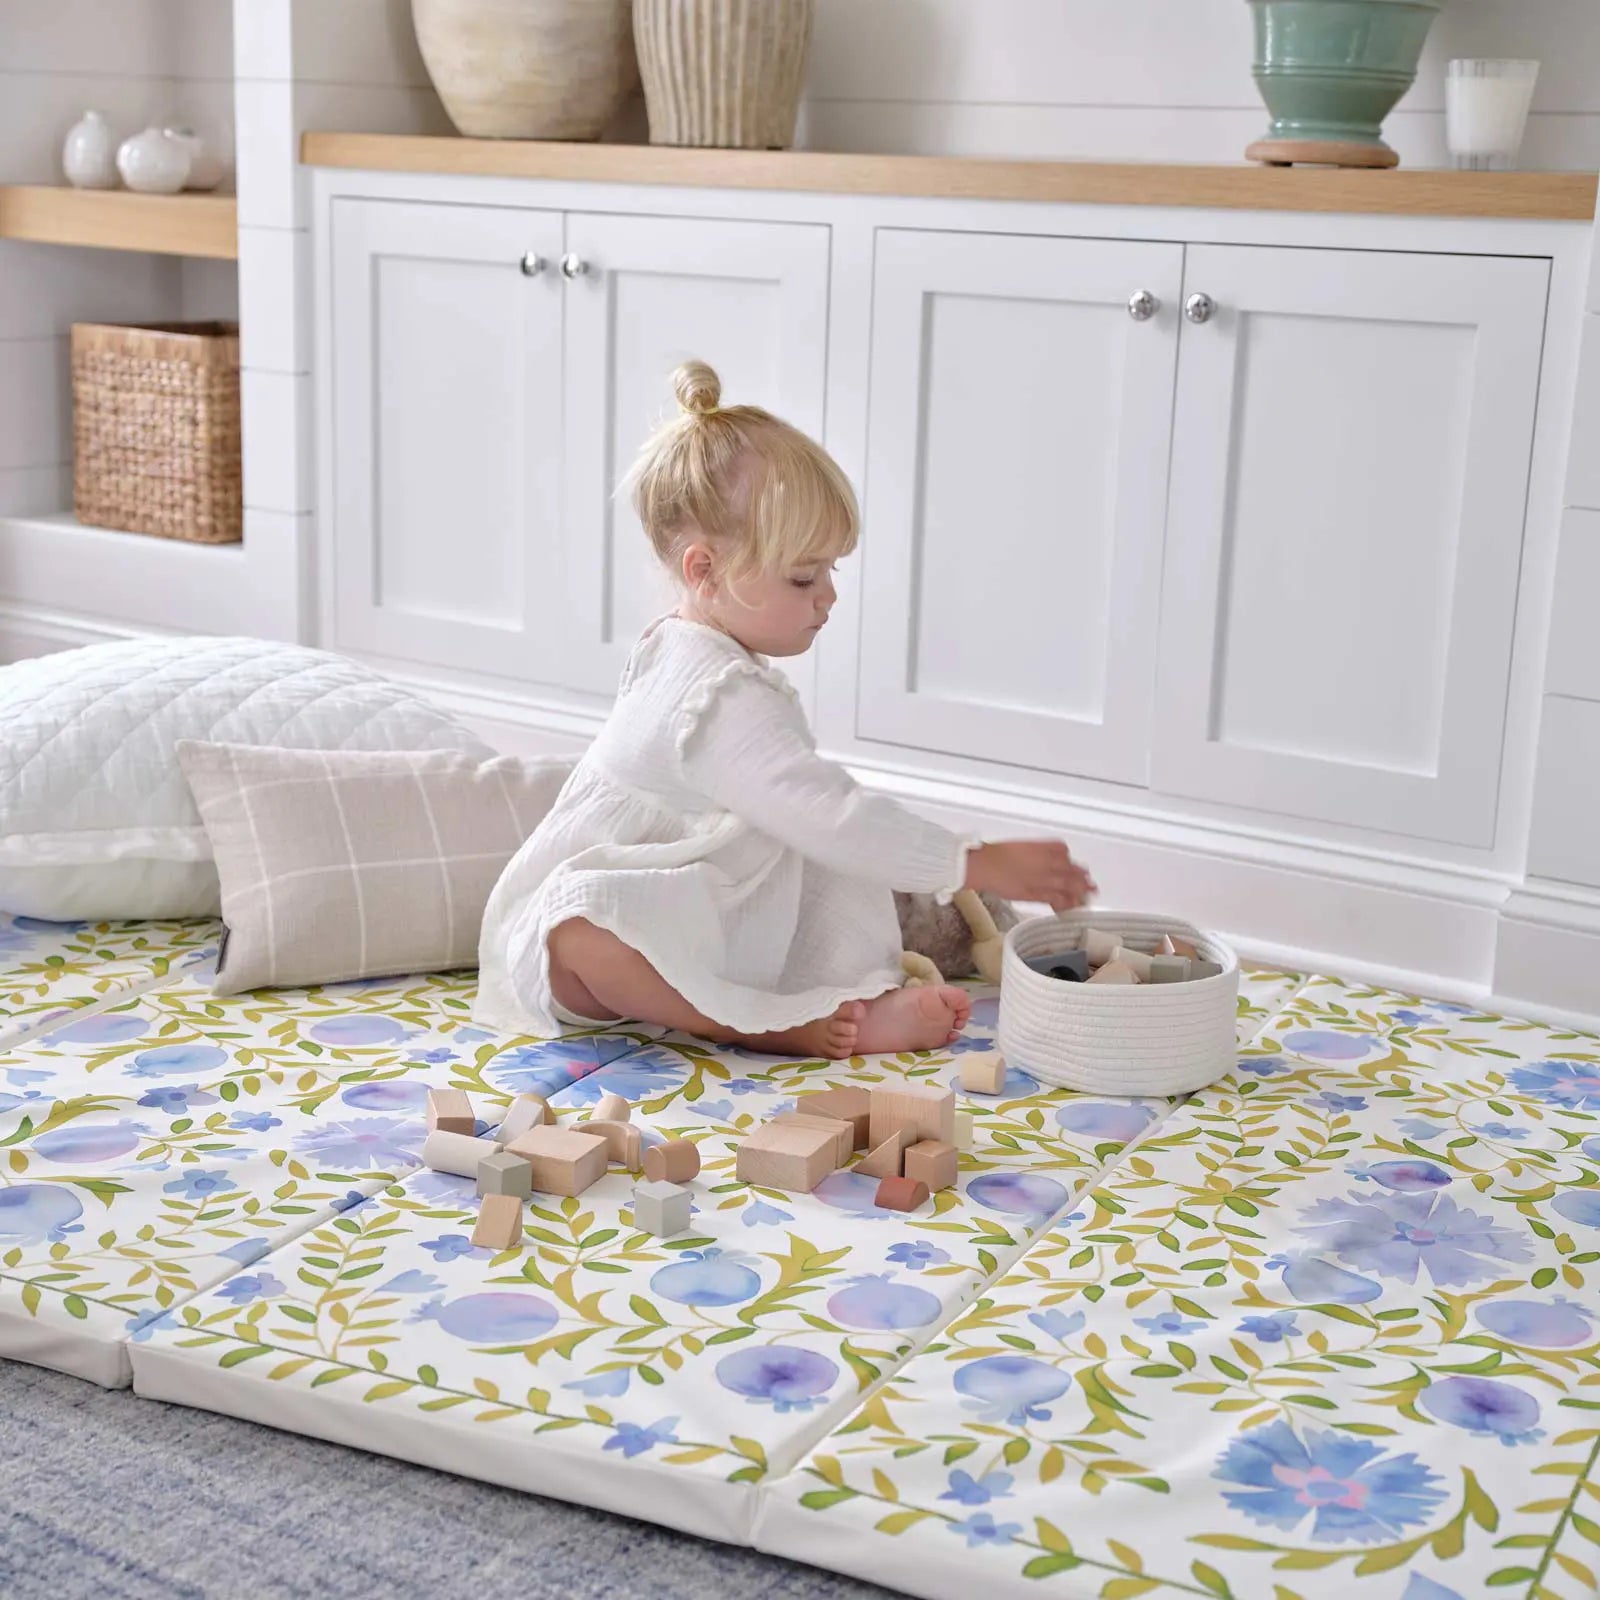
(1168,969)
(624,1142)
(661,1208)
(459,1153)
(503,1173)
(983,1072)
(901,1194)
(451,1111)
(1070,966)
(676,1161)
(526,1111)
(925,1111)
(884,1159)
(843,1132)
(933,1162)
(1114,972)
(1137,960)
(499,1222)
(564,1160)
(1098,946)
(1205,969)
(610,1108)
(963,1130)
(1172,945)
(793,1158)
(848,1103)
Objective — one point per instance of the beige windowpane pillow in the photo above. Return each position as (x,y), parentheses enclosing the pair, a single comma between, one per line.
(341,864)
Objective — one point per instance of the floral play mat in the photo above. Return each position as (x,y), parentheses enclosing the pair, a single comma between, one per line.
(1328,1325)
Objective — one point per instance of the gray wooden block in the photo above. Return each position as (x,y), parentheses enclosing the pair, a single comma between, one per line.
(661,1208)
(503,1173)
(1169,969)
(1204,969)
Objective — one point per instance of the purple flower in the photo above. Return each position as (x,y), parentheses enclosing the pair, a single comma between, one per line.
(1500,1130)
(1263,1066)
(1273,1329)
(450,1245)
(1323,1044)
(1060,1325)
(1343,1102)
(31,1213)
(787,1379)
(254,1121)
(645,1072)
(433,1058)
(246,1251)
(354,1033)
(917,1254)
(1395,1234)
(738,1086)
(1011,1389)
(1409,1176)
(1353,1492)
(381,1143)
(259,1287)
(632,1440)
(1169,1323)
(350,1200)
(602,1384)
(1572,1085)
(175,1058)
(174,1100)
(557,1064)
(980,1528)
(1106,1119)
(1018,1194)
(972,1491)
(1484,1405)
(411,1281)
(1556,1325)
(197,1185)
(759,1214)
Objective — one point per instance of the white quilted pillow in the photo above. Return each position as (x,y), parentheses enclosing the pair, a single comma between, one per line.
(96,821)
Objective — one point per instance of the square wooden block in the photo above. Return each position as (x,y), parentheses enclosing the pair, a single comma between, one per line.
(499,1222)
(661,1208)
(932,1162)
(504,1173)
(925,1111)
(793,1158)
(1114,972)
(843,1132)
(564,1161)
(848,1102)
(450,1110)
(983,1073)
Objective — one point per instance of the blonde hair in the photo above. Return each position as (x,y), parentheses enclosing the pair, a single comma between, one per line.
(759,491)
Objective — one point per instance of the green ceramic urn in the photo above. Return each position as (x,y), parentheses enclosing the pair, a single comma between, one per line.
(1330,71)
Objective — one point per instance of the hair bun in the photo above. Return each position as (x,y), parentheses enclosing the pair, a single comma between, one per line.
(698,388)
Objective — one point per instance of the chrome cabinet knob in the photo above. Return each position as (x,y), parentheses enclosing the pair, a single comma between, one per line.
(1143,305)
(1199,308)
(573,266)
(532,264)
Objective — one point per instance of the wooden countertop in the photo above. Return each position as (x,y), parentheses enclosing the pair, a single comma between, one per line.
(1561,196)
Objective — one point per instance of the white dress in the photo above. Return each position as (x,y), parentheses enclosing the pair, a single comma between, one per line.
(704,830)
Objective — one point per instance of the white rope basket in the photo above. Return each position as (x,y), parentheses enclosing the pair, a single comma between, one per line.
(1144,1039)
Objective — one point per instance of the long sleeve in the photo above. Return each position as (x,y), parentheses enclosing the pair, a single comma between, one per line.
(749,751)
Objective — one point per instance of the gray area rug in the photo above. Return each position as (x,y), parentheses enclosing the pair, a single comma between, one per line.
(106,1495)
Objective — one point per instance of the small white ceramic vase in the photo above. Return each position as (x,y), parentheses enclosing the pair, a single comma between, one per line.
(205,167)
(89,156)
(153,163)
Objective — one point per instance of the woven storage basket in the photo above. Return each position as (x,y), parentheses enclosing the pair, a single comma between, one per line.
(156,429)
(1153,1038)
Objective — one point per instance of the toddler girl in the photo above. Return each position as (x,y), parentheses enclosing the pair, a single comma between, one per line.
(704,868)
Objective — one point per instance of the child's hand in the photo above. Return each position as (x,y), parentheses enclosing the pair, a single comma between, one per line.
(1030,869)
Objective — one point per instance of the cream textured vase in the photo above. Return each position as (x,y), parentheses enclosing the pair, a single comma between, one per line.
(528,69)
(725,73)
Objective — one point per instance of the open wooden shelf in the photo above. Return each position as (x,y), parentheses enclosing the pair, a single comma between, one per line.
(117,219)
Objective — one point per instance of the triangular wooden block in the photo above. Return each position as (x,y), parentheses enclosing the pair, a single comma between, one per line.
(884,1160)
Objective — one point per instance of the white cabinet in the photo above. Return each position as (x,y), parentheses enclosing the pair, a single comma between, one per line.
(483,415)
(1019,427)
(1349,479)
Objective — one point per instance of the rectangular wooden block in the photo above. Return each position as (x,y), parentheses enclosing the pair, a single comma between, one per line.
(1168,969)
(901,1194)
(624,1143)
(963,1130)
(459,1153)
(451,1111)
(933,1162)
(848,1102)
(1136,959)
(610,1108)
(843,1132)
(504,1173)
(884,1160)
(1200,968)
(499,1222)
(1098,946)
(564,1160)
(790,1158)
(661,1208)
(925,1111)
(1114,972)
(526,1111)
(983,1072)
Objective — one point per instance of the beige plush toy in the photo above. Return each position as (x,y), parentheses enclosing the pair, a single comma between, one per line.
(959,940)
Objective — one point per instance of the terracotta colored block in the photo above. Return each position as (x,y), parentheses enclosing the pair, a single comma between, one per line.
(1098,946)
(849,1103)
(499,1222)
(526,1111)
(844,1132)
(459,1153)
(932,1162)
(901,1194)
(451,1111)
(983,1073)
(1172,945)
(500,1172)
(1168,969)
(790,1158)
(925,1111)
(884,1160)
(610,1108)
(1114,972)
(963,1130)
(564,1160)
(676,1161)
(624,1142)
(661,1208)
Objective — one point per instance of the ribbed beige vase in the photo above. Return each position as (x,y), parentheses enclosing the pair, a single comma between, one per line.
(726,73)
(528,69)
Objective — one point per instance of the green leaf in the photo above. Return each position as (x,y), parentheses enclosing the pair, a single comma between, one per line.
(243,1353)
(1509,1575)
(1052,1538)
(75,1307)
(1211,1579)
(1047,1566)
(382,1391)
(899,1521)
(1015,1451)
(823,1499)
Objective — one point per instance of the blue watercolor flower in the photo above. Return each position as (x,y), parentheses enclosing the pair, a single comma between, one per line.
(109,1027)
(707,1278)
(411,1281)
(1315,1282)
(738,1086)
(450,1245)
(1273,1329)
(1419,1587)
(1557,1325)
(246,1251)
(198,1185)
(603,1385)
(175,1060)
(1323,1044)
(31,1213)
(980,1529)
(875,1301)
(557,1063)
(1011,1389)
(1435,1011)
(381,1143)
(917,1254)
(350,1200)
(1103,1119)
(1420,1128)
(1343,1102)
(1060,1325)
(970,1042)
(140,1328)
(1018,1194)
(972,1491)
(632,1440)
(758,1214)
(1169,1323)
(175,1099)
(1579,1205)
(985,1014)
(787,1379)
(357,1033)
(261,1286)
(444,1187)
(76,1146)
(434,1058)
(45,925)
(1484,1405)
(1353,1492)
(635,1077)
(1395,1234)
(1500,1130)
(254,1121)
(1263,1066)
(1409,1177)
(1572,1085)
(491,1319)
(471,1035)
(387,1094)
(714,1110)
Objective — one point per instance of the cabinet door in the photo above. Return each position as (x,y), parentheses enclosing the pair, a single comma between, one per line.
(1016,463)
(445,436)
(1350,471)
(750,298)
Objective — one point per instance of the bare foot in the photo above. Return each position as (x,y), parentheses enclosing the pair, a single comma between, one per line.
(913,1019)
(832,1038)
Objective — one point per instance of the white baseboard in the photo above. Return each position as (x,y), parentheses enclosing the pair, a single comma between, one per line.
(35,631)
(1547,960)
